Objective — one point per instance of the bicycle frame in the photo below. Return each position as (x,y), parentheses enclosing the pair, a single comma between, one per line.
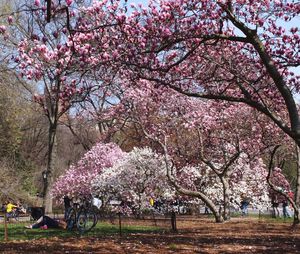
(82,215)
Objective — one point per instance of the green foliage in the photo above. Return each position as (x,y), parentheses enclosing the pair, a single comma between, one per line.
(26,171)
(14,108)
(16,176)
(10,133)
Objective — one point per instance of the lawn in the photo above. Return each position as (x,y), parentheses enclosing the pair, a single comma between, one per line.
(17,231)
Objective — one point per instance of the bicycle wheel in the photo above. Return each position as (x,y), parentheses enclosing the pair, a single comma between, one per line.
(71,218)
(16,215)
(86,220)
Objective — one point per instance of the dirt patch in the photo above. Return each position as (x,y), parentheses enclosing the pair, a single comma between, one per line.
(240,235)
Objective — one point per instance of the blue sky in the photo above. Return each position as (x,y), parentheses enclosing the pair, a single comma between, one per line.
(144,2)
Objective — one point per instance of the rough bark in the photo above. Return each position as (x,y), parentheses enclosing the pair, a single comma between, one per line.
(52,155)
(226,212)
(297,192)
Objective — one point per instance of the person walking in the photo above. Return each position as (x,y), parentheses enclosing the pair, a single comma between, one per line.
(67,205)
(275,205)
(244,205)
(285,211)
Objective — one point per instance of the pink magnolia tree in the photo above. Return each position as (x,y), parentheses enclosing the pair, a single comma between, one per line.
(42,57)
(223,50)
(235,51)
(77,181)
(198,132)
(279,183)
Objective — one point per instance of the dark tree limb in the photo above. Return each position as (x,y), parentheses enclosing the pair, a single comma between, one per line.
(48,11)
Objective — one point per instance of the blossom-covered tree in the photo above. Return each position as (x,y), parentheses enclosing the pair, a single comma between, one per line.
(245,179)
(141,175)
(279,183)
(134,179)
(77,180)
(198,132)
(236,51)
(41,59)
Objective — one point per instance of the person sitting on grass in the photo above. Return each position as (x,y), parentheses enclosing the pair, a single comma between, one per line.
(46,222)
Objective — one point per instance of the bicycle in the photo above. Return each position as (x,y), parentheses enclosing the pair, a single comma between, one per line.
(82,215)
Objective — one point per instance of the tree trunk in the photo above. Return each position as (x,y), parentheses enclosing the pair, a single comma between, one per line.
(48,178)
(218,216)
(297,191)
(139,216)
(173,221)
(215,211)
(226,213)
(296,217)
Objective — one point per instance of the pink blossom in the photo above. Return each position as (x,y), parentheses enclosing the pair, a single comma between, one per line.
(69,2)
(10,19)
(37,3)
(2,29)
(77,179)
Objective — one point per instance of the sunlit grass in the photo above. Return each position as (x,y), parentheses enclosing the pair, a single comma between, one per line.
(263,216)
(173,246)
(17,231)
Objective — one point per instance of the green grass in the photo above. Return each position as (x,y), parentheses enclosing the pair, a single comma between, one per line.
(263,216)
(172,246)
(278,219)
(17,231)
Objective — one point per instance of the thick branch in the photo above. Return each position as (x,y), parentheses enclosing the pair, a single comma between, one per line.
(274,73)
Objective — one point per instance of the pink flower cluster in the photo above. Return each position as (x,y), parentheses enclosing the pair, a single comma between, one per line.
(77,179)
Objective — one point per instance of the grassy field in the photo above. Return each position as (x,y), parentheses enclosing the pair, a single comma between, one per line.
(17,231)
